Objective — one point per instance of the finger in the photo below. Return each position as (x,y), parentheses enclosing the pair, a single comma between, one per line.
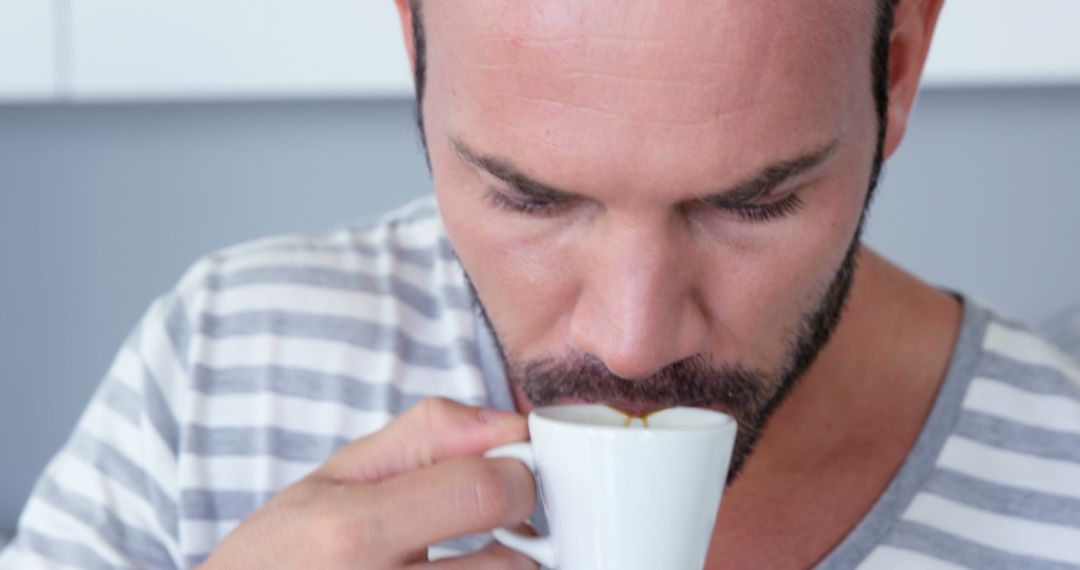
(434,430)
(451,499)
(494,556)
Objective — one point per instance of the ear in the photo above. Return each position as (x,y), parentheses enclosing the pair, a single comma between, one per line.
(405,15)
(909,44)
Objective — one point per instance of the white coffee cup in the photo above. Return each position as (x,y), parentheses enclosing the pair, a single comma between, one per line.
(619,495)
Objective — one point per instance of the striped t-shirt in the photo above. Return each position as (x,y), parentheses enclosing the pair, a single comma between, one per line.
(268,357)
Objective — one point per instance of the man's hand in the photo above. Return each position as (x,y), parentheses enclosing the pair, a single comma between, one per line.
(381,500)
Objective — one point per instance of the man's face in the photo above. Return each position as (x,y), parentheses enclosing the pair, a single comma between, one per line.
(653,199)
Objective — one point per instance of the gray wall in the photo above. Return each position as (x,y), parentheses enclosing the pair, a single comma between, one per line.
(102,207)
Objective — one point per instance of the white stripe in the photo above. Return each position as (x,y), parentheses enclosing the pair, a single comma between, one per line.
(75,475)
(384,310)
(128,370)
(43,518)
(204,536)
(261,474)
(892,558)
(143,447)
(322,418)
(18,559)
(1019,536)
(1030,348)
(382,265)
(372,366)
(1013,404)
(155,348)
(1010,468)
(440,552)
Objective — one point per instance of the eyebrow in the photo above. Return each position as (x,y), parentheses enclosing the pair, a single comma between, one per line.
(747,190)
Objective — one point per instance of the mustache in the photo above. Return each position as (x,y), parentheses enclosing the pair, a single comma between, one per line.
(690,382)
(746,395)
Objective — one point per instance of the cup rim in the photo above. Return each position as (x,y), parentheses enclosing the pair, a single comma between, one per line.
(549,415)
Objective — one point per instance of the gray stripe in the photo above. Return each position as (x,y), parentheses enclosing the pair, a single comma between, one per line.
(1034,378)
(468,543)
(178,329)
(422,257)
(121,399)
(1006,500)
(1013,436)
(220,506)
(356,332)
(311,385)
(133,542)
(248,442)
(492,367)
(944,546)
(159,414)
(116,467)
(61,551)
(446,251)
(351,281)
(458,298)
(1069,342)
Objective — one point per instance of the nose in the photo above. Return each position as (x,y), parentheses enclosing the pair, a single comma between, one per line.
(639,309)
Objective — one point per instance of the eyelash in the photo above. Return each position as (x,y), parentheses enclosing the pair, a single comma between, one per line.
(753,213)
(522,205)
(759,213)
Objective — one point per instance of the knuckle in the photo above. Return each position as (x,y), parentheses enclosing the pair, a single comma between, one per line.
(335,532)
(487,498)
(434,412)
(418,440)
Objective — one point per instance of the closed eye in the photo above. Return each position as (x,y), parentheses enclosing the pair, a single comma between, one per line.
(516,202)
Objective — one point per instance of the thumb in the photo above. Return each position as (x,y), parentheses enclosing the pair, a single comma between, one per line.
(432,431)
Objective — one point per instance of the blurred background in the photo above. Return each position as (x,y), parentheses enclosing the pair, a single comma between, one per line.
(136,136)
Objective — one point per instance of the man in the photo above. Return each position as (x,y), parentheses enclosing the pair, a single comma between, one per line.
(645,204)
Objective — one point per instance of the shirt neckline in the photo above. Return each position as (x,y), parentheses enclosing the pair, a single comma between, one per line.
(919,464)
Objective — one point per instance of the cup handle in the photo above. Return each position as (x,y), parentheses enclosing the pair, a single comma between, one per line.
(539,548)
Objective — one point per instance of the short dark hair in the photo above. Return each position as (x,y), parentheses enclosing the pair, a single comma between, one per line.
(879,61)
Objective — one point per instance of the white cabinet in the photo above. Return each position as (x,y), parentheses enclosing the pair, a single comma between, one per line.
(184,49)
(27,65)
(221,49)
(1006,43)
(146,50)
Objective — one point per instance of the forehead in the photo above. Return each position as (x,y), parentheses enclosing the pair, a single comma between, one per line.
(569,79)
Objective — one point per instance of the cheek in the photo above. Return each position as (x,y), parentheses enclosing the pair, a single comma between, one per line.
(759,297)
(520,274)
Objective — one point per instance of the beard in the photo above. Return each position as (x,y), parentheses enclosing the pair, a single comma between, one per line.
(749,396)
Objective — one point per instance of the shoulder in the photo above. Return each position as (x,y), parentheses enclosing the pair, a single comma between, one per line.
(1020,358)
(401,260)
(1020,413)
(385,298)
